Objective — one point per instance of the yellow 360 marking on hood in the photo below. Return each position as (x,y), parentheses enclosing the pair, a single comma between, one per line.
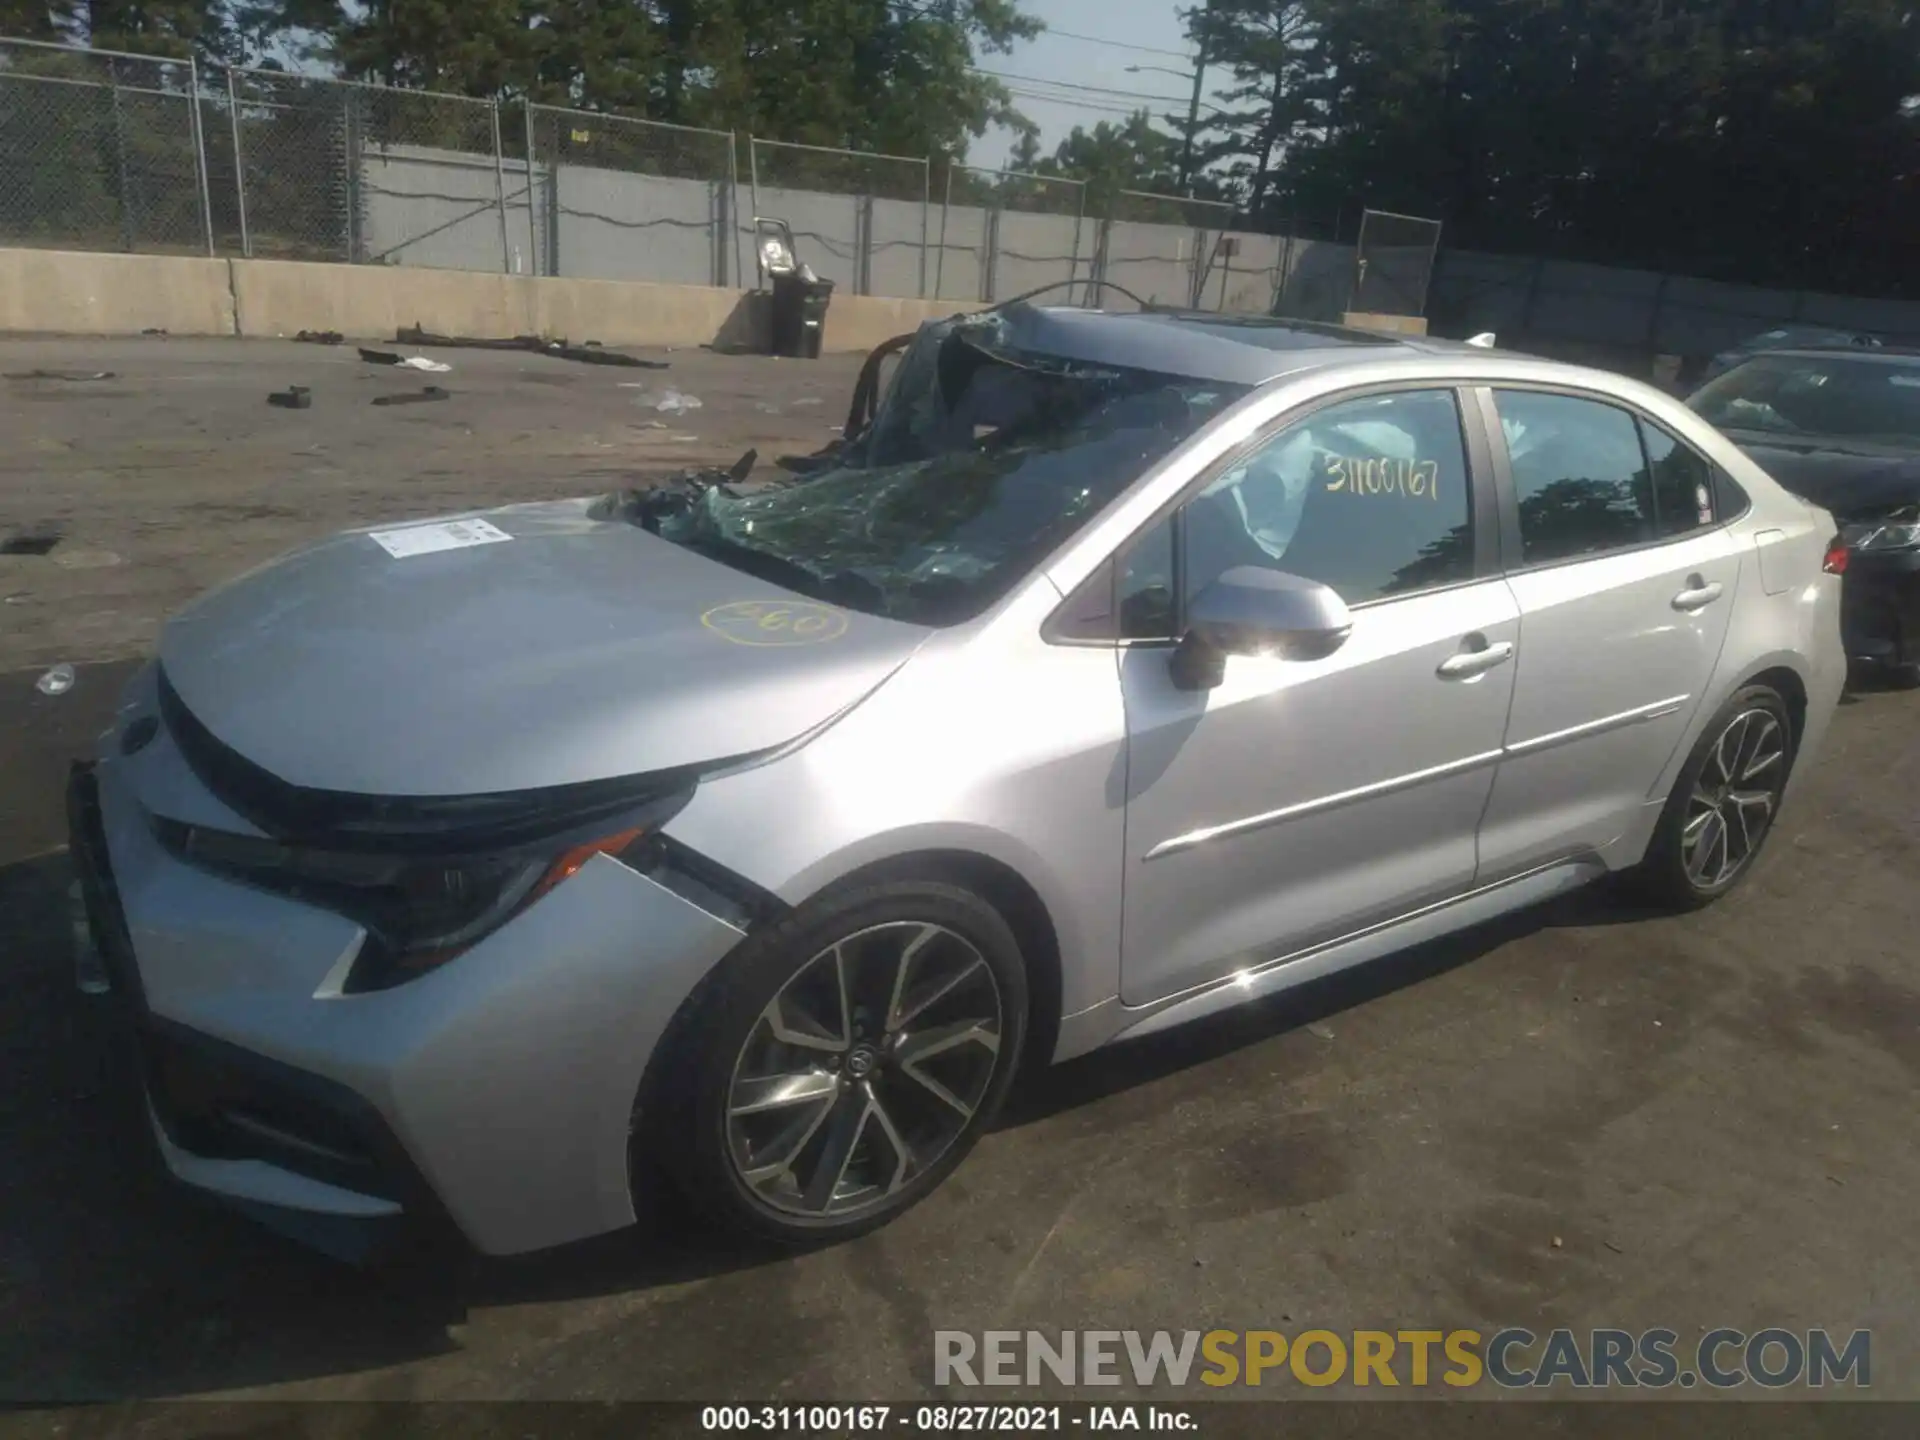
(775,622)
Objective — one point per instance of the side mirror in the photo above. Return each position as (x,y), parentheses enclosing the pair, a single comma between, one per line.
(1251,610)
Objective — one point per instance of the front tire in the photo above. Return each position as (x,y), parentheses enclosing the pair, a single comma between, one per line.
(1723,805)
(840,1064)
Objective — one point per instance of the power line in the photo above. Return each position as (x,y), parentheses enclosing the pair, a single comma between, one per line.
(1116,44)
(1104,107)
(1070,85)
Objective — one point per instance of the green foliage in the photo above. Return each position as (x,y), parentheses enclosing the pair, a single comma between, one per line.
(868,74)
(1731,138)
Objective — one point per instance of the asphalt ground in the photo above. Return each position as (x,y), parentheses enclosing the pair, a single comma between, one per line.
(1583,1116)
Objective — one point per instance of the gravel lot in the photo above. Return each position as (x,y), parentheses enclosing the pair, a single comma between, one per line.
(1581,1117)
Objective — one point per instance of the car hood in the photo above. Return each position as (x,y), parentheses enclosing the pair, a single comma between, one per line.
(574,650)
(1851,479)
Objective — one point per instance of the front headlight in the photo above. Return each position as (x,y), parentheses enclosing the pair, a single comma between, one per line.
(1882,535)
(419,911)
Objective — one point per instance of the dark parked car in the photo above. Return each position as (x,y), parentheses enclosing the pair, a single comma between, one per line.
(1841,427)
(1790,337)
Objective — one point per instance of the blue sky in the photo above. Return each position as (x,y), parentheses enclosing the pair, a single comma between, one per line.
(1077,71)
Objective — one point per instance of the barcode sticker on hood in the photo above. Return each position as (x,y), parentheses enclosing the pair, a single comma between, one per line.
(426,539)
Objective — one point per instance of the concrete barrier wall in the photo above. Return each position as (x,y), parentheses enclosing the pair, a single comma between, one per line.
(284,297)
(74,293)
(60,292)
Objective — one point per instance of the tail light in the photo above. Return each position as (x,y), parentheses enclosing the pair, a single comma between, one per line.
(1835,561)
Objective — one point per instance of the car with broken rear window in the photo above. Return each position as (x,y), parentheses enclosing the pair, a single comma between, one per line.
(750,835)
(1841,428)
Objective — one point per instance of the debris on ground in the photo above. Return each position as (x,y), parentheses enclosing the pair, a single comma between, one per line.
(406,362)
(56,681)
(1323,1031)
(594,354)
(294,397)
(86,559)
(37,541)
(673,402)
(414,397)
(77,375)
(320,337)
(591,353)
(807,400)
(153,330)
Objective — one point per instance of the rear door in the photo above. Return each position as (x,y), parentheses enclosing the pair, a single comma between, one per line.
(1625,579)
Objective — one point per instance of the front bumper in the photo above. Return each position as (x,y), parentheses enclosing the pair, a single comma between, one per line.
(496,1092)
(1880,607)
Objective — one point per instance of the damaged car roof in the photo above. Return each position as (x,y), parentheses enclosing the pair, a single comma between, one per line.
(1232,349)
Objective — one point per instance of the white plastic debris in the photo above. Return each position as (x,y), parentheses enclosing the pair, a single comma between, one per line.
(56,681)
(673,402)
(806,400)
(421,362)
(1482,341)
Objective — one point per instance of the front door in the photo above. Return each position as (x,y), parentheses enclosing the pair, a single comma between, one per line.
(1625,582)
(1302,800)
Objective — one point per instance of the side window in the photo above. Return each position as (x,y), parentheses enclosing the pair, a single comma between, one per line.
(1368,496)
(1682,483)
(1146,595)
(1579,475)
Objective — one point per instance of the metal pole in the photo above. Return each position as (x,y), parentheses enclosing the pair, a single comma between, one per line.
(1073,265)
(351,146)
(926,214)
(239,165)
(940,264)
(1193,105)
(500,190)
(753,194)
(120,154)
(732,179)
(533,226)
(200,150)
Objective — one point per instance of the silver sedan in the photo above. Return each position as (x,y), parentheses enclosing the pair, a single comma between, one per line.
(1126,668)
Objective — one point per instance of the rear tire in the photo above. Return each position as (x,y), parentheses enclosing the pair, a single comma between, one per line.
(840,1064)
(1723,805)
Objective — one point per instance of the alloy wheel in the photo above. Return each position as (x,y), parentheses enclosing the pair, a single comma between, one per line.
(863,1070)
(1734,798)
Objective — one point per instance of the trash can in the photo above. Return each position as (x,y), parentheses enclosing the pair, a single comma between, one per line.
(800,300)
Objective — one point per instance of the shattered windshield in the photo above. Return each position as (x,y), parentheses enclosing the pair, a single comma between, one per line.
(1024,455)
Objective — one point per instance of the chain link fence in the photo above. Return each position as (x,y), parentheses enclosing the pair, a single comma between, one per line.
(862,220)
(624,199)
(1004,232)
(1162,247)
(100,151)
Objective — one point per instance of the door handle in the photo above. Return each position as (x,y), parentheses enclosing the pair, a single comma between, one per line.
(1469,663)
(1698,595)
